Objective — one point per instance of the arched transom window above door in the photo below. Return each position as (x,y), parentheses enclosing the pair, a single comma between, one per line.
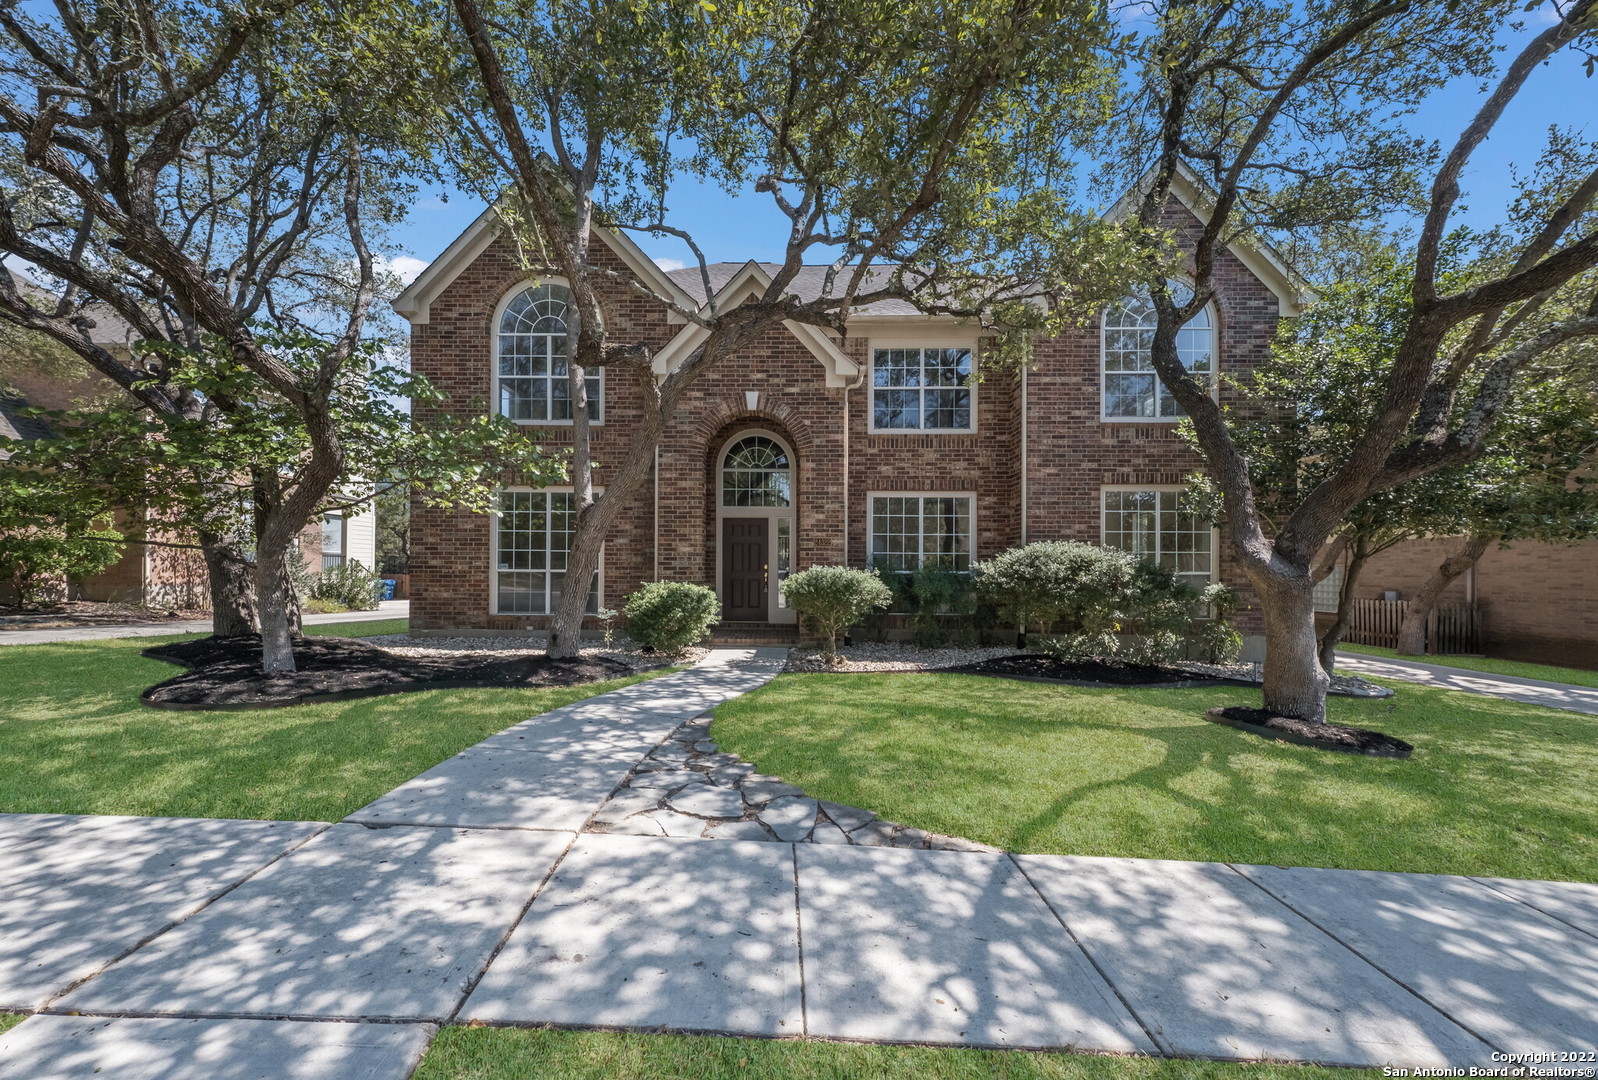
(756,472)
(530,357)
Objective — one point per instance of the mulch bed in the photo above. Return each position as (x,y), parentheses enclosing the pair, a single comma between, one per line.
(1337,737)
(1034,668)
(225,673)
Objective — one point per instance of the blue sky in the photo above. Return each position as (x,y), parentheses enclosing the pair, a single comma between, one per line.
(734,229)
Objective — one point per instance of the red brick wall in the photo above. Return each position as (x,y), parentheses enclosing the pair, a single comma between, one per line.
(1071,453)
(1539,602)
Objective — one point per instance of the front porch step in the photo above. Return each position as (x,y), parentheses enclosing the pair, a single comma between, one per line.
(753,633)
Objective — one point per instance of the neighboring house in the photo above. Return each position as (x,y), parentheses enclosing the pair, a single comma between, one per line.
(153,574)
(809,449)
(1537,601)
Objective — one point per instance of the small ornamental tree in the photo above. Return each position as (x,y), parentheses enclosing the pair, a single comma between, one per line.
(830,599)
(48,537)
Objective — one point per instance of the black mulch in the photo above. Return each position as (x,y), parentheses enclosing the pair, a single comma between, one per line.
(1338,737)
(225,673)
(1035,668)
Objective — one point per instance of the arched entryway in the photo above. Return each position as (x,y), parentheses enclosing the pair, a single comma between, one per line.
(755,525)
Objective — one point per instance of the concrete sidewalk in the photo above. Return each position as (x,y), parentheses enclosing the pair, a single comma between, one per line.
(1554,695)
(218,949)
(388,609)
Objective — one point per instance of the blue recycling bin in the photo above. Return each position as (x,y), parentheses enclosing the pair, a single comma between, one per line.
(388,589)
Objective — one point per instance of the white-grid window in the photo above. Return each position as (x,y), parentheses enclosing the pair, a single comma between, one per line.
(757,472)
(333,540)
(921,390)
(533,534)
(909,530)
(1132,391)
(1157,525)
(531,373)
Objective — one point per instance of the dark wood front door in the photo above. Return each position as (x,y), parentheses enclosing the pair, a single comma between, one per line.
(743,575)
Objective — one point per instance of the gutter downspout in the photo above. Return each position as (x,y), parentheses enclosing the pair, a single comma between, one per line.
(1023,456)
(847,421)
(657,514)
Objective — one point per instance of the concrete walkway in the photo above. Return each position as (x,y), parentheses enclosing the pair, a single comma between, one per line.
(1532,691)
(182,950)
(388,609)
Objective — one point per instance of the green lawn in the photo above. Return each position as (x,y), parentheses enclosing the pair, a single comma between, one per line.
(462,1053)
(362,629)
(75,740)
(10,1020)
(1495,787)
(1517,668)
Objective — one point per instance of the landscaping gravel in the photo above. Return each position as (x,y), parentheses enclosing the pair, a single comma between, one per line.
(623,651)
(891,656)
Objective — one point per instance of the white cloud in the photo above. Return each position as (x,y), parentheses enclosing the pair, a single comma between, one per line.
(404,267)
(669,265)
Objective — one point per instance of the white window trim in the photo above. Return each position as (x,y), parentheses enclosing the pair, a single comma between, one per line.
(776,612)
(493,557)
(923,342)
(1210,309)
(873,496)
(1104,513)
(493,359)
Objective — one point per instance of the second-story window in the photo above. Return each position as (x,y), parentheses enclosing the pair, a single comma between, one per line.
(531,373)
(1132,391)
(921,390)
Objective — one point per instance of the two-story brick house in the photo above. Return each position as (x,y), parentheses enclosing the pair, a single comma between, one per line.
(806,448)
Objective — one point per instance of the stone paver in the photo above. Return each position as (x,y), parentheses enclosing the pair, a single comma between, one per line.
(639,932)
(945,947)
(1574,903)
(1555,695)
(708,802)
(1521,980)
(358,923)
(790,817)
(1215,968)
(77,892)
(88,1048)
(480,789)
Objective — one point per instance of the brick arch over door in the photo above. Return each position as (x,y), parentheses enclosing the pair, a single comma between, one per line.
(727,413)
(718,440)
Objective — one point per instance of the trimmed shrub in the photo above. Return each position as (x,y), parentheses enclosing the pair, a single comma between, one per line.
(348,586)
(1216,642)
(934,590)
(1048,582)
(669,616)
(830,599)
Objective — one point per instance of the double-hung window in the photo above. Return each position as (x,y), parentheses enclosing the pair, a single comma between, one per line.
(533,535)
(1158,524)
(921,390)
(909,530)
(1132,390)
(533,384)
(334,534)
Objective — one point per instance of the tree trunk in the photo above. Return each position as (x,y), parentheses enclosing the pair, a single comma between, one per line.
(232,592)
(1345,606)
(1295,684)
(273,591)
(1412,631)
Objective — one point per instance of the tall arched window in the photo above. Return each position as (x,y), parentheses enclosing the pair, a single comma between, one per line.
(756,472)
(532,374)
(1132,391)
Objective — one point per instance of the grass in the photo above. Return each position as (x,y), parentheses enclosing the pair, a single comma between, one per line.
(75,740)
(1517,668)
(485,1053)
(361,629)
(10,1020)
(1494,787)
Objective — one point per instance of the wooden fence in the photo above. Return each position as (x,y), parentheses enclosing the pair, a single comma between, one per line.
(1451,628)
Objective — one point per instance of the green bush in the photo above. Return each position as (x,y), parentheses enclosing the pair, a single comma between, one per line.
(1049,582)
(669,616)
(348,586)
(1127,610)
(1216,642)
(935,590)
(830,599)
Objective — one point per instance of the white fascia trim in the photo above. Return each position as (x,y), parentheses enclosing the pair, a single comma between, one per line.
(1292,293)
(413,304)
(841,369)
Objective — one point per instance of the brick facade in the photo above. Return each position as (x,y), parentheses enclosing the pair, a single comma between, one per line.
(1070,454)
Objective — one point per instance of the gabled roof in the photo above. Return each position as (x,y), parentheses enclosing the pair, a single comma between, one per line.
(414,303)
(806,285)
(13,425)
(1263,261)
(732,282)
